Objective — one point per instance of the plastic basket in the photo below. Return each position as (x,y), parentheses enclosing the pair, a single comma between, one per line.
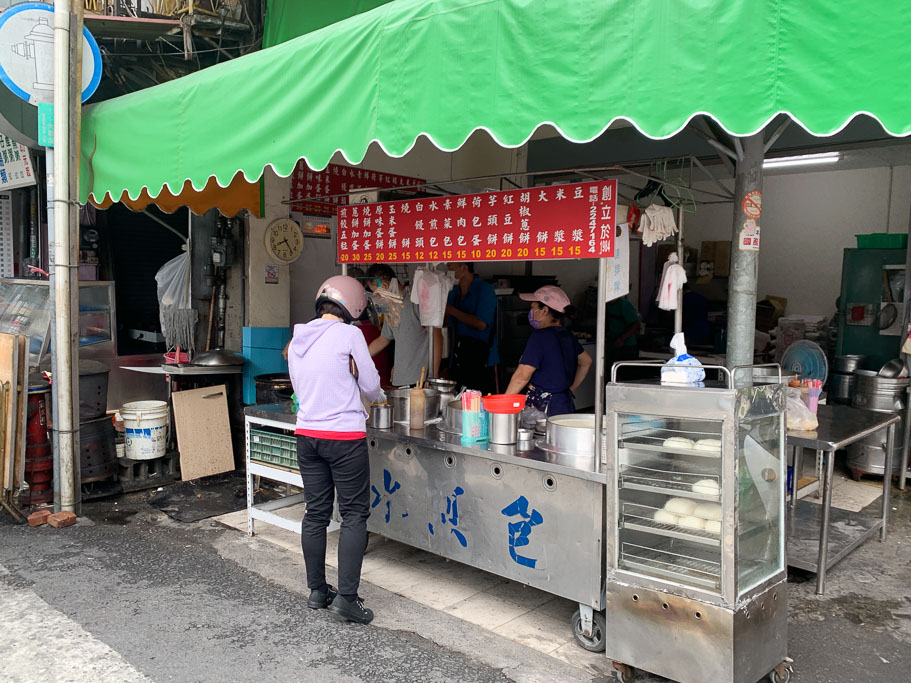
(883,240)
(273,448)
(508,404)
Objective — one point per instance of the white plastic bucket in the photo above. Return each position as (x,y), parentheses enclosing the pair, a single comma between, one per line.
(145,425)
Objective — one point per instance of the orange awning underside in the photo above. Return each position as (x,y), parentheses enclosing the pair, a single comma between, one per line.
(230,200)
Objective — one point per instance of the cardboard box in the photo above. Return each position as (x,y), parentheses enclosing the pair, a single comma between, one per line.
(719,253)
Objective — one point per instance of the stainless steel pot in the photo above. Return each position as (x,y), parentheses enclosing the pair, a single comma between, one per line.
(452,417)
(571,434)
(381,416)
(882,395)
(503,428)
(848,364)
(401,405)
(841,387)
(446,387)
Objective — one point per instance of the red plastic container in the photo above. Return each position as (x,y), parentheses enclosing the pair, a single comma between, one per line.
(506,404)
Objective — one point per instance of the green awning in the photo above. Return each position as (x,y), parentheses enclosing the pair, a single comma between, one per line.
(446,68)
(287,19)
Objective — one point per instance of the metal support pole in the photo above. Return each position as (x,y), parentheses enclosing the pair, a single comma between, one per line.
(52,302)
(744,263)
(599,361)
(681,253)
(65,424)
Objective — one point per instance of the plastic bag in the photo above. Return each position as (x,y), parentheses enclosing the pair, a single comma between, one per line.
(682,368)
(175,310)
(173,280)
(799,417)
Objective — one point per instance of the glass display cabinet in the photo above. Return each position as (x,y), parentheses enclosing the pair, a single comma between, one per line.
(696,581)
(25,309)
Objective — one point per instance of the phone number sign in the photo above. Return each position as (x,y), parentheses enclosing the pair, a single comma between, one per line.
(554,222)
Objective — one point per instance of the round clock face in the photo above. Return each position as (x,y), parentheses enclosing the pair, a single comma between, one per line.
(284,240)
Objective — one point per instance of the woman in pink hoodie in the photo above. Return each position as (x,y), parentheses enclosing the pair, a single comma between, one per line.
(330,366)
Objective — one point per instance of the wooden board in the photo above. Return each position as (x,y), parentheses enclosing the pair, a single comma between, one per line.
(9,379)
(22,415)
(203,432)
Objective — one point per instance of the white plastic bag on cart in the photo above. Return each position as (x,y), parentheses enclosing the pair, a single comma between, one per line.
(799,417)
(682,368)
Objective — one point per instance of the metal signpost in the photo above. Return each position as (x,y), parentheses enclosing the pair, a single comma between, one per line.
(35,57)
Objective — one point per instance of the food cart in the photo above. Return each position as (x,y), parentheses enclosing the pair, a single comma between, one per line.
(554,513)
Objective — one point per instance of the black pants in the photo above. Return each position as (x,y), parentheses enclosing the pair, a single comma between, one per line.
(328,467)
(469,365)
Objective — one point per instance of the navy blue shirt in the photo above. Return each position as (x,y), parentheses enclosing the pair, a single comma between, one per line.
(554,353)
(480,301)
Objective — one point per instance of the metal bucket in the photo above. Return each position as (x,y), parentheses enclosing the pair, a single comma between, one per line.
(446,387)
(882,395)
(503,428)
(848,364)
(381,416)
(93,389)
(401,405)
(841,387)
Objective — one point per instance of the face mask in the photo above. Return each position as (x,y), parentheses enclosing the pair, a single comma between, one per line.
(535,325)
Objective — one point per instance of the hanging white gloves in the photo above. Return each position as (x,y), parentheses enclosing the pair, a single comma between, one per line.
(672,278)
(656,224)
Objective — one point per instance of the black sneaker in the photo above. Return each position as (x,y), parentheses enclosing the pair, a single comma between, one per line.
(352,611)
(321,599)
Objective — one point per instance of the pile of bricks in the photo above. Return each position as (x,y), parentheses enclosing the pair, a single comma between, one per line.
(58,520)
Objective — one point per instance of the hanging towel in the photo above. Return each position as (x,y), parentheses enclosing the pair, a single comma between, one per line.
(656,224)
(672,278)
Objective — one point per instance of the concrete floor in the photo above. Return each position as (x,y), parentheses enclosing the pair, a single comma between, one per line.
(128,594)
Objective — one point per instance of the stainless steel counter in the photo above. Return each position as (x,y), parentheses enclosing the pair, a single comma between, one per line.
(435,439)
(532,517)
(818,539)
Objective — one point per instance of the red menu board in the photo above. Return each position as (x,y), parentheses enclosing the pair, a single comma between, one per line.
(554,222)
(336,180)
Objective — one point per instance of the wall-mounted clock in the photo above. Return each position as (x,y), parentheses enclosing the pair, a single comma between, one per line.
(284,240)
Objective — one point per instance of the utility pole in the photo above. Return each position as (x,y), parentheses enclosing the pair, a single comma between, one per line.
(66,290)
(745,252)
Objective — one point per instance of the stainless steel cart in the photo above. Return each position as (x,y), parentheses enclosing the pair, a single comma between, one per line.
(696,582)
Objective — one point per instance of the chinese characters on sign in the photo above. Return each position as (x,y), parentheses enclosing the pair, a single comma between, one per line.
(15,165)
(554,222)
(452,516)
(521,530)
(390,489)
(335,179)
(6,236)
(749,236)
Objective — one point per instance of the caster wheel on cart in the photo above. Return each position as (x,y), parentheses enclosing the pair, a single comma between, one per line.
(781,673)
(595,642)
(623,672)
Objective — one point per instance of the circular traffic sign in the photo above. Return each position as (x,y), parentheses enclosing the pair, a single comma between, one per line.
(27,53)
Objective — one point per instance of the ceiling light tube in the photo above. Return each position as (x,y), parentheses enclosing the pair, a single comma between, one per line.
(802,160)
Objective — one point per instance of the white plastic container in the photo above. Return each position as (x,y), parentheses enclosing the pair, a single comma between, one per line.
(146,427)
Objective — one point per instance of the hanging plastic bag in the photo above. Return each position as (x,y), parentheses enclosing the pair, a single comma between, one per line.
(682,368)
(175,310)
(799,417)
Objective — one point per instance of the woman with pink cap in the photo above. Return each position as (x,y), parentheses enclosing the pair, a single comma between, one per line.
(553,364)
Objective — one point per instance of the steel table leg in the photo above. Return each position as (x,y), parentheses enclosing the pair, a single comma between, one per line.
(818,474)
(249,477)
(824,527)
(887,477)
(798,452)
(906,443)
